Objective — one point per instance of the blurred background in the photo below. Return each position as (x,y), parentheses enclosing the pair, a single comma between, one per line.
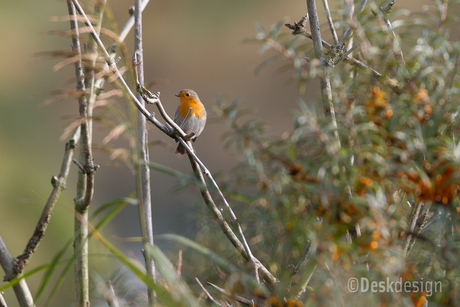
(187,44)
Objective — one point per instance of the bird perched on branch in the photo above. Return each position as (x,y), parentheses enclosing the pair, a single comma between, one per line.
(190,116)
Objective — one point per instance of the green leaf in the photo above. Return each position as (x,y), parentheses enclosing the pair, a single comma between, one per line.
(182,294)
(16,280)
(164,295)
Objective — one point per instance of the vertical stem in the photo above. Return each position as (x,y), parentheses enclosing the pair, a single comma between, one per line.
(325,79)
(81,259)
(348,8)
(81,214)
(85,183)
(326,90)
(143,182)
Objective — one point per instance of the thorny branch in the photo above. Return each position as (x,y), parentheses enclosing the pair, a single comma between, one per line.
(336,52)
(325,78)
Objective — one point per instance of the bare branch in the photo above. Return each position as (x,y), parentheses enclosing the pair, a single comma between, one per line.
(238,298)
(142,169)
(325,79)
(305,284)
(2,300)
(21,289)
(129,24)
(383,12)
(330,22)
(85,183)
(59,184)
(349,31)
(243,249)
(111,297)
(207,293)
(314,27)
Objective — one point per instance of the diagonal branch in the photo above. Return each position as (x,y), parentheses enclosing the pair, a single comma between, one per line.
(113,66)
(130,23)
(349,31)
(242,248)
(174,131)
(59,184)
(2,300)
(210,297)
(237,298)
(21,289)
(330,22)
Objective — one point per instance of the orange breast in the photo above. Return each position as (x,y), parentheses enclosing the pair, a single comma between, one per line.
(187,103)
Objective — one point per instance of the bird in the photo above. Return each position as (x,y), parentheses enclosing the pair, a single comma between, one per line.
(190,116)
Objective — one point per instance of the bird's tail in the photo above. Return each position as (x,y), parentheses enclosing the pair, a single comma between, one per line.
(180,149)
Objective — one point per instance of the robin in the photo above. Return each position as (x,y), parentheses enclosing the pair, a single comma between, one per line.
(190,116)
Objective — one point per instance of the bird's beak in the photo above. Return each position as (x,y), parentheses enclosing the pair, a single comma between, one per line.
(177,95)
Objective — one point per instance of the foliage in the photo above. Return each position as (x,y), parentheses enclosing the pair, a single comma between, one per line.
(301,195)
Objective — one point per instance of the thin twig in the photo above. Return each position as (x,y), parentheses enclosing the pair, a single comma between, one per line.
(349,31)
(242,248)
(2,300)
(383,12)
(78,164)
(59,184)
(179,263)
(348,8)
(413,233)
(210,297)
(305,284)
(238,298)
(130,23)
(21,289)
(330,22)
(343,56)
(143,170)
(414,217)
(111,296)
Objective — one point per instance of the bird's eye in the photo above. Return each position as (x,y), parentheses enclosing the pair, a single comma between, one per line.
(187,94)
